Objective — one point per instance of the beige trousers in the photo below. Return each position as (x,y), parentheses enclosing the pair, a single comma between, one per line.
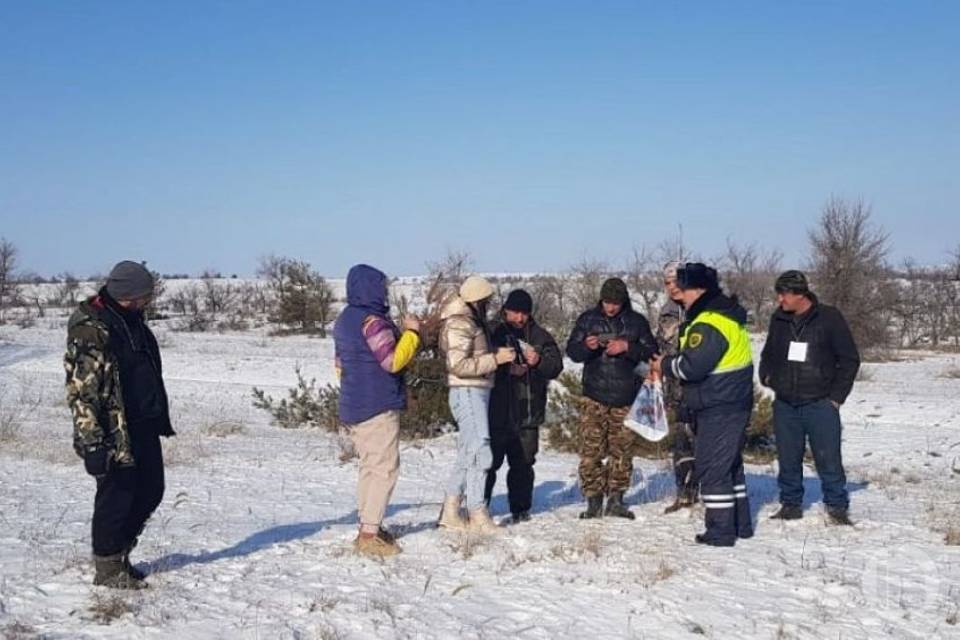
(377,442)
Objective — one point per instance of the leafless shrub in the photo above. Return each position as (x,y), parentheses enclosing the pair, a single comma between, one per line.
(19,398)
(224,429)
(105,609)
(218,297)
(18,631)
(67,290)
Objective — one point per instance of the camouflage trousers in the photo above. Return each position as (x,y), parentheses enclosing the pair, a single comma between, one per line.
(606,449)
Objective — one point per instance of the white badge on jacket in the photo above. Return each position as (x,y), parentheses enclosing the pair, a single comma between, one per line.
(798,352)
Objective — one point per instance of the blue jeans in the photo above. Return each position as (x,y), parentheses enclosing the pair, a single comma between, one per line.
(820,422)
(474,457)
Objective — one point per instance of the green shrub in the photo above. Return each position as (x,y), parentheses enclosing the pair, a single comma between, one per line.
(564,406)
(305,405)
(308,405)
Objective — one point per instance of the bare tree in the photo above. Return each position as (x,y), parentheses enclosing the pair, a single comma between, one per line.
(551,304)
(643,277)
(848,260)
(586,278)
(218,298)
(9,285)
(750,272)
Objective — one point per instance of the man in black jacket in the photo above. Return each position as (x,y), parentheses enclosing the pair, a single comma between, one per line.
(810,361)
(116,394)
(610,340)
(519,399)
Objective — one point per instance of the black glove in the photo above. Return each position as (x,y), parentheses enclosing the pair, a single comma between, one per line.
(96,461)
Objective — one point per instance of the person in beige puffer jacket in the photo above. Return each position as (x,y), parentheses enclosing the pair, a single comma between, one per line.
(471,367)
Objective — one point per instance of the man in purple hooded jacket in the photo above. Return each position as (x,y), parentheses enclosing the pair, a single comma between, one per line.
(371,354)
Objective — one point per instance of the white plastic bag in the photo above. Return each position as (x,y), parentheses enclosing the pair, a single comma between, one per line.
(648,413)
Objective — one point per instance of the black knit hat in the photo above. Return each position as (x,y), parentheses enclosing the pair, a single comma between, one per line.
(614,290)
(696,275)
(129,280)
(792,281)
(519,300)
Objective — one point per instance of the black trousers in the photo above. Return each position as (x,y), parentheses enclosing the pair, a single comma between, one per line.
(520,451)
(127,496)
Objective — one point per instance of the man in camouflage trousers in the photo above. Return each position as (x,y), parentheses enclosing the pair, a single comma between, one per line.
(668,341)
(116,394)
(610,339)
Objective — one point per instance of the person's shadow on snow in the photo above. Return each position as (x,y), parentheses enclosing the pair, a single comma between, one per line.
(265,539)
(762,490)
(547,496)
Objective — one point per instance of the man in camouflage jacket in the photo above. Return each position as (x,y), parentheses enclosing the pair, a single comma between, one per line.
(668,341)
(116,394)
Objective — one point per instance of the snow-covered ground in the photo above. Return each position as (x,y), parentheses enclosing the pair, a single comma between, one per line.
(253,537)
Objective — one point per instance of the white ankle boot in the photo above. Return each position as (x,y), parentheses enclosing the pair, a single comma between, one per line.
(482,523)
(450,515)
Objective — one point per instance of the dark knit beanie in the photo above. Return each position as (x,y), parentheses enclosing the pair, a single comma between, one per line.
(793,281)
(696,275)
(519,300)
(614,290)
(129,280)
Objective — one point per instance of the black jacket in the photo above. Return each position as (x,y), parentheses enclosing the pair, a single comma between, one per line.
(611,380)
(706,346)
(832,359)
(140,367)
(520,402)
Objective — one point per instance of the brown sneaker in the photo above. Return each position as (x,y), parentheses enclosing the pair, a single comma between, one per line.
(375,546)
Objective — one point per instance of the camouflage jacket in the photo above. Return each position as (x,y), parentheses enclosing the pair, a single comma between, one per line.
(93,382)
(668,341)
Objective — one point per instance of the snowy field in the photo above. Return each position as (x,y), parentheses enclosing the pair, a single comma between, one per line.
(253,537)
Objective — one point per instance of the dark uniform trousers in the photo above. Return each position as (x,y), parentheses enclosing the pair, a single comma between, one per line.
(721,435)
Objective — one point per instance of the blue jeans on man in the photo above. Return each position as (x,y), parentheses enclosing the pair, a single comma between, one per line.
(819,422)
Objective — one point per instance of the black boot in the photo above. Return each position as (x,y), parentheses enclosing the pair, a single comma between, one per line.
(839,516)
(111,572)
(132,571)
(702,538)
(594,508)
(520,516)
(616,508)
(788,512)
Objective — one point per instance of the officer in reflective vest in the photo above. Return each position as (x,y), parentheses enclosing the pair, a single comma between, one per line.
(715,369)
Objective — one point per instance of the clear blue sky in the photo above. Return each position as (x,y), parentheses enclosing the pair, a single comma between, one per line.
(205,134)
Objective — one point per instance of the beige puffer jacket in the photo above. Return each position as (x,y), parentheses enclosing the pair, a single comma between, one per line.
(470,359)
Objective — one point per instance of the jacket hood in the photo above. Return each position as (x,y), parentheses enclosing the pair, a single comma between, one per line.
(455,306)
(367,288)
(627,306)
